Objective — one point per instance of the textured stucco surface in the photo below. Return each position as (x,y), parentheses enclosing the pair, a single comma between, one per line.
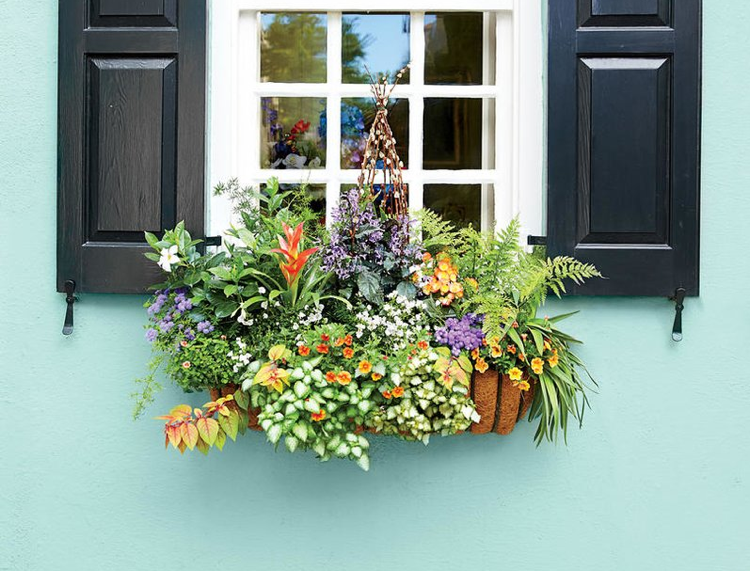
(658,480)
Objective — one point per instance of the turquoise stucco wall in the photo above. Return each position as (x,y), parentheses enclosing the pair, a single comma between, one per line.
(658,480)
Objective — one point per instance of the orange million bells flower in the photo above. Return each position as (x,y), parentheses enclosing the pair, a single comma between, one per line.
(294,260)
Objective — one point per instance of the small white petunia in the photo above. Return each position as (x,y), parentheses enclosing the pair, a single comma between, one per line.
(168,258)
(261,290)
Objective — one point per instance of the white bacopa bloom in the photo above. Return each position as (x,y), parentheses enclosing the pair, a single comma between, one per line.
(294,161)
(168,258)
(261,290)
(315,163)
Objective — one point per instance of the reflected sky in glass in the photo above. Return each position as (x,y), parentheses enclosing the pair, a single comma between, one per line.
(380,41)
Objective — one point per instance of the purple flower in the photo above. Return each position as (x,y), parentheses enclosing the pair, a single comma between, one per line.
(151,335)
(464,334)
(205,327)
(165,326)
(189,335)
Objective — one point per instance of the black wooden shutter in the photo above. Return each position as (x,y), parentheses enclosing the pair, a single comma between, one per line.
(132,83)
(624,124)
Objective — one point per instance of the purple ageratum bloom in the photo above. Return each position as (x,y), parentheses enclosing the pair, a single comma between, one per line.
(189,335)
(205,327)
(151,335)
(165,326)
(464,334)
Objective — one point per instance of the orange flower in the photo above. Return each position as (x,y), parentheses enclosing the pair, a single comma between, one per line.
(475,354)
(512,349)
(423,345)
(481,365)
(348,352)
(537,365)
(376,376)
(547,346)
(496,350)
(325,337)
(292,259)
(344,378)
(387,394)
(522,357)
(398,392)
(523,385)
(186,364)
(515,374)
(426,257)
(515,325)
(339,342)
(365,367)
(303,350)
(183,343)
(322,348)
(553,360)
(318,416)
(331,377)
(348,340)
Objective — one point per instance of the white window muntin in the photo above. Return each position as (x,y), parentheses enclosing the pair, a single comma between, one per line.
(236,90)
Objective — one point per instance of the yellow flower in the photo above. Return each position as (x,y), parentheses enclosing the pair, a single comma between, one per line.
(475,354)
(496,350)
(365,367)
(523,385)
(553,360)
(481,365)
(515,374)
(376,376)
(537,365)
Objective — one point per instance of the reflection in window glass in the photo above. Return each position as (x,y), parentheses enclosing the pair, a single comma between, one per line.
(378,41)
(453,48)
(293,48)
(458,203)
(316,193)
(293,133)
(357,115)
(453,133)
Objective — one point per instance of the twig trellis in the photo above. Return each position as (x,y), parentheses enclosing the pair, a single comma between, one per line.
(381,146)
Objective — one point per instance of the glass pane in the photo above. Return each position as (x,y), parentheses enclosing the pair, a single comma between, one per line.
(316,193)
(293,134)
(378,41)
(453,48)
(293,48)
(453,134)
(357,115)
(459,203)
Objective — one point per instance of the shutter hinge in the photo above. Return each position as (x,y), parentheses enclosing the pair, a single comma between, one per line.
(679,300)
(70,299)
(536,240)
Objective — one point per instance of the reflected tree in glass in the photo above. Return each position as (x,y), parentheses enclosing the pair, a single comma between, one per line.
(293,48)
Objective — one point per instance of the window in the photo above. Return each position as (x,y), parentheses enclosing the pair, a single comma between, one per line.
(467,115)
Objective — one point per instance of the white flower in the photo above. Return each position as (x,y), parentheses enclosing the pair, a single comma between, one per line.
(315,163)
(294,161)
(169,258)
(261,290)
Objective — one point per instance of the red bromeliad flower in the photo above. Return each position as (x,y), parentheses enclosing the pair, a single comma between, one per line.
(294,260)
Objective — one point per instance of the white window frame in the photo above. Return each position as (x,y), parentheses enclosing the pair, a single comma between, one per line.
(234,127)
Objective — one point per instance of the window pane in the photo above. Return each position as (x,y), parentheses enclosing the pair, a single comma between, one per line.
(453,48)
(378,41)
(315,192)
(294,133)
(459,203)
(293,48)
(357,115)
(453,133)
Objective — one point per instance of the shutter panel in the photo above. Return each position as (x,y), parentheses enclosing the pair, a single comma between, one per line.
(624,135)
(132,83)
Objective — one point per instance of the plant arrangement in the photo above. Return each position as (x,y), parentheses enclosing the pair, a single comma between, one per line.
(386,322)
